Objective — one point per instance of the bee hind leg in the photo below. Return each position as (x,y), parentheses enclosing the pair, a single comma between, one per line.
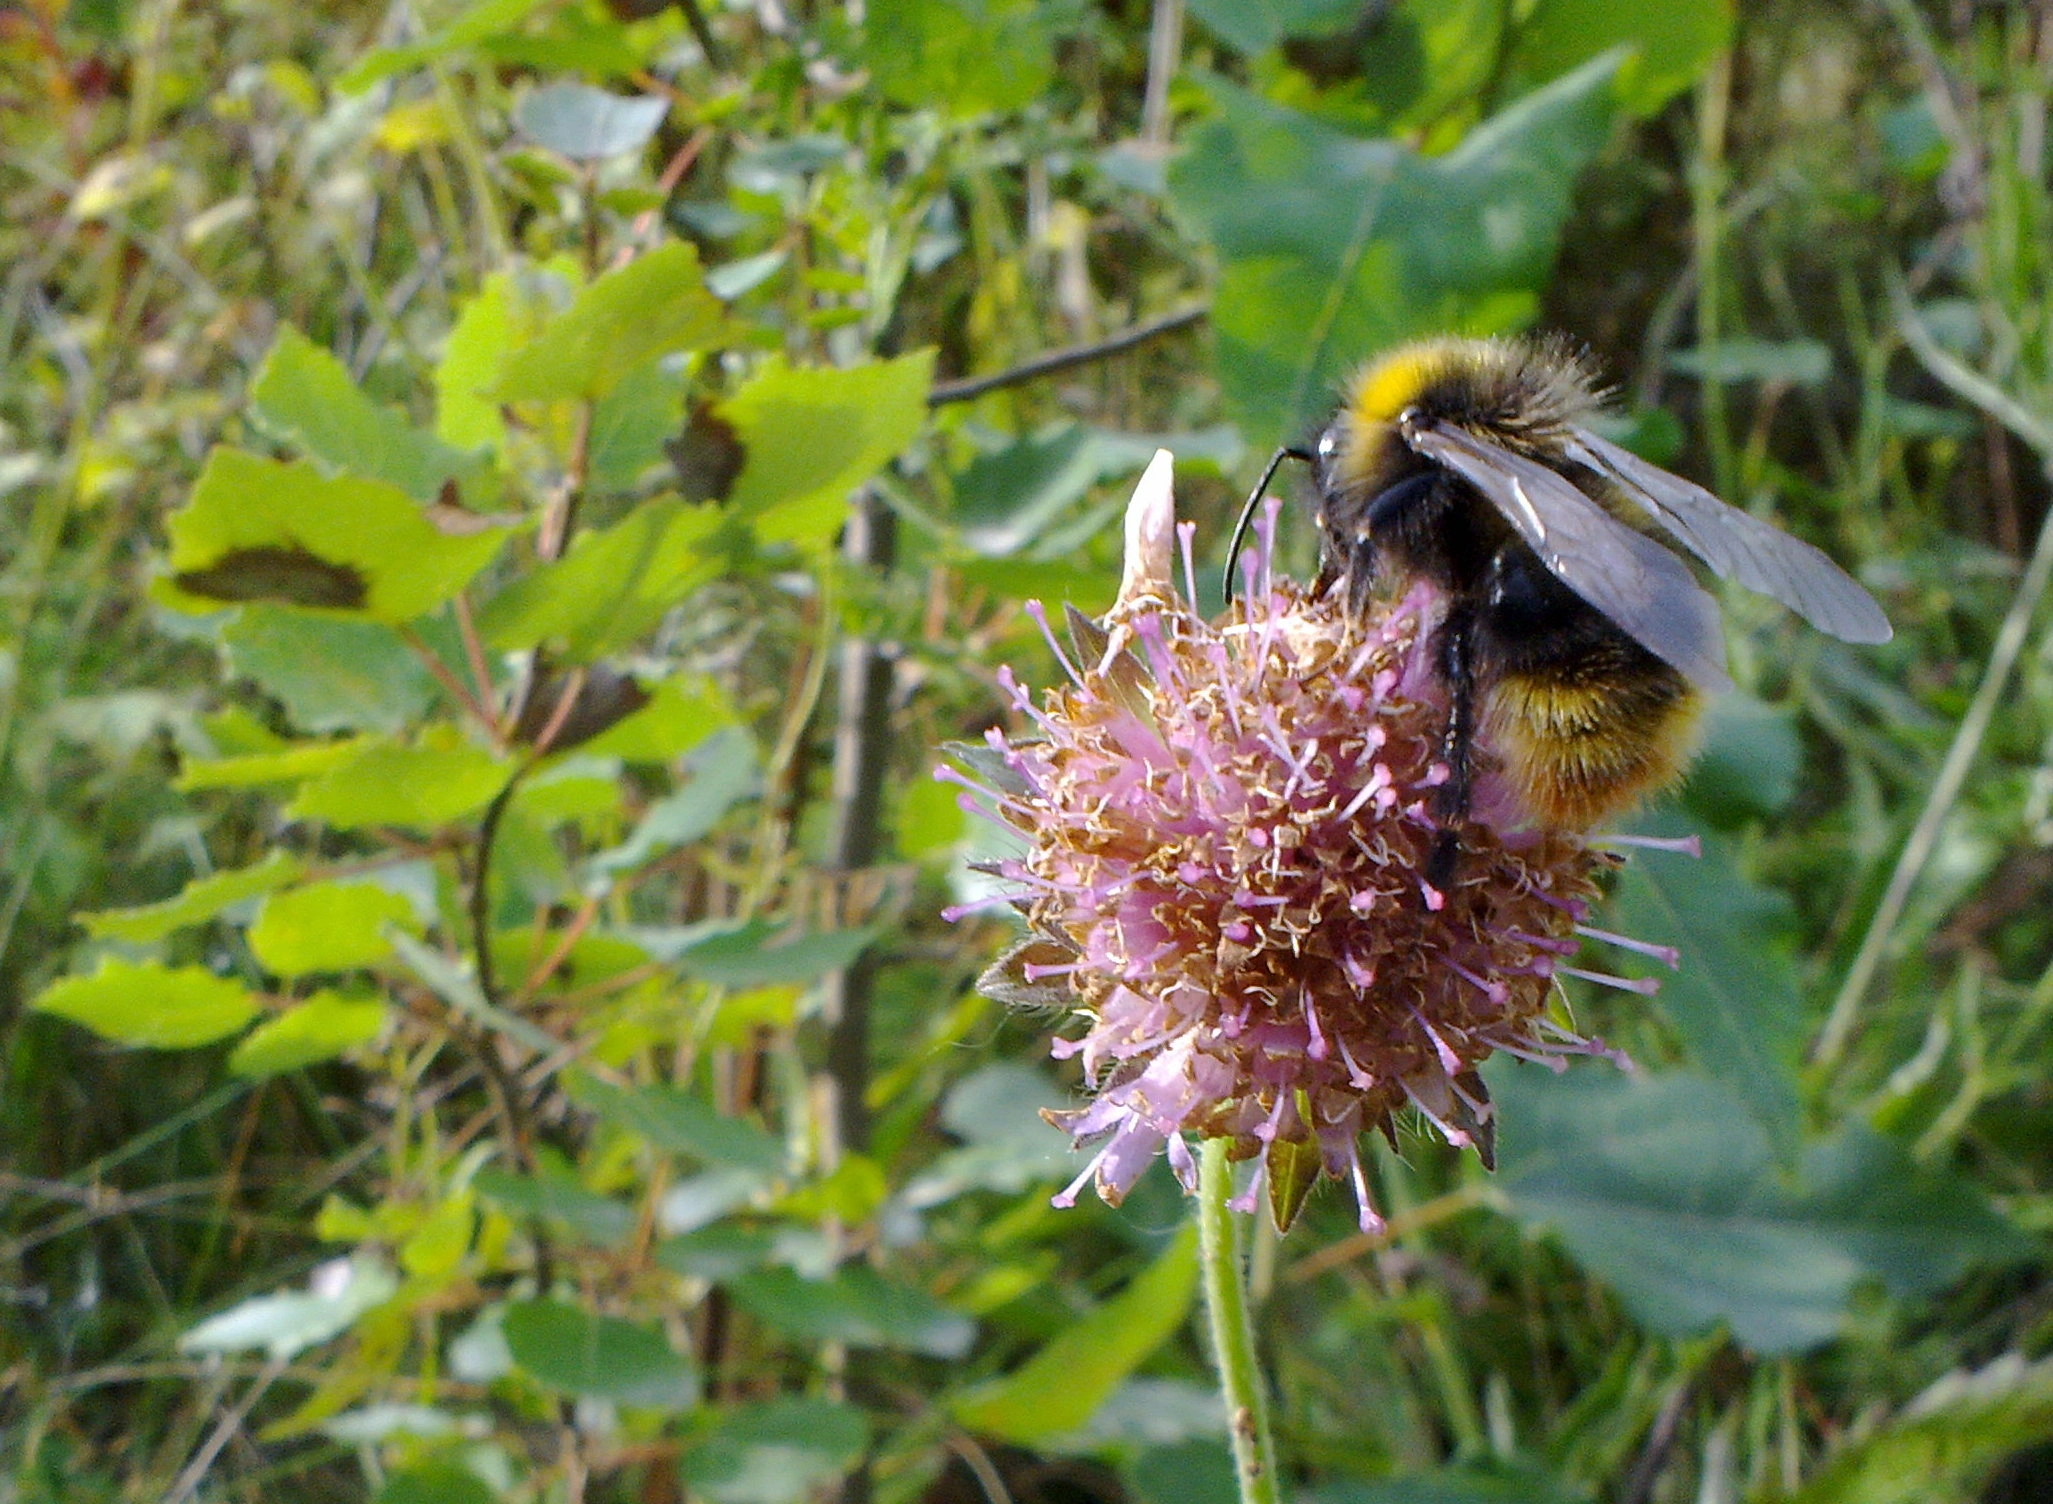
(1457,743)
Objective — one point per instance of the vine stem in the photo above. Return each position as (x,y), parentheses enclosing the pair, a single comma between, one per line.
(1233,1332)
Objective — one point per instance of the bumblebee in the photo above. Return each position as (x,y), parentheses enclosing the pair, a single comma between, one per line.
(1575,649)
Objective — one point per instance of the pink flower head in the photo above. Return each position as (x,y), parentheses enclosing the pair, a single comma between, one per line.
(1227,826)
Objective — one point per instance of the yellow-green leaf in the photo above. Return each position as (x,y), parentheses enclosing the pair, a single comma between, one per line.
(152,1005)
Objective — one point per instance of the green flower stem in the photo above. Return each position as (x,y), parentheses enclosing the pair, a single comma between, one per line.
(1233,1333)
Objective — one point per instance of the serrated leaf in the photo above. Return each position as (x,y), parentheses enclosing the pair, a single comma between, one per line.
(575,1352)
(1058,1388)
(587,124)
(1332,246)
(813,434)
(855,1305)
(612,587)
(417,787)
(196,903)
(246,505)
(776,1451)
(327,1024)
(333,926)
(655,305)
(150,1005)
(1665,1188)
(680,1122)
(1735,998)
(303,396)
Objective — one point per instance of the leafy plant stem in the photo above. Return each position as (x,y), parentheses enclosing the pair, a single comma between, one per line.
(1233,1333)
(1070,355)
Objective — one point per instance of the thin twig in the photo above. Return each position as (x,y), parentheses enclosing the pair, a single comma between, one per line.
(196,1470)
(432,661)
(1062,360)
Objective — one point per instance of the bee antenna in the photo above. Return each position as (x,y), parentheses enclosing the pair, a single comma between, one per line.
(1247,511)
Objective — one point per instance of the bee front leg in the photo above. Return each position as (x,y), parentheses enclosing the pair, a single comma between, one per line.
(1457,744)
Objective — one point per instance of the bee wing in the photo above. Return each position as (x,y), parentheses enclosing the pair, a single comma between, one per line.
(1626,575)
(1740,546)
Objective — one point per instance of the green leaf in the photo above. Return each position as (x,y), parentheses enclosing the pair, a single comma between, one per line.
(453,983)
(1947,1444)
(254,769)
(1254,26)
(760,953)
(593,1218)
(587,124)
(813,434)
(303,396)
(612,587)
(681,1123)
(436,1483)
(490,324)
(679,718)
(196,903)
(1672,42)
(333,926)
(776,1451)
(967,56)
(723,773)
(1010,498)
(631,424)
(147,1004)
(330,673)
(655,305)
(855,1305)
(1750,762)
(1665,1188)
(246,511)
(599,1357)
(1735,999)
(417,787)
(1332,247)
(1187,1472)
(288,1323)
(324,1026)
(1057,1389)
(486,18)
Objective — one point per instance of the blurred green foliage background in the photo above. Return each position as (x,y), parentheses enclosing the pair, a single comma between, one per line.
(503,503)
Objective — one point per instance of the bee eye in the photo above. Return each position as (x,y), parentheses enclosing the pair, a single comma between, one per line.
(1329,444)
